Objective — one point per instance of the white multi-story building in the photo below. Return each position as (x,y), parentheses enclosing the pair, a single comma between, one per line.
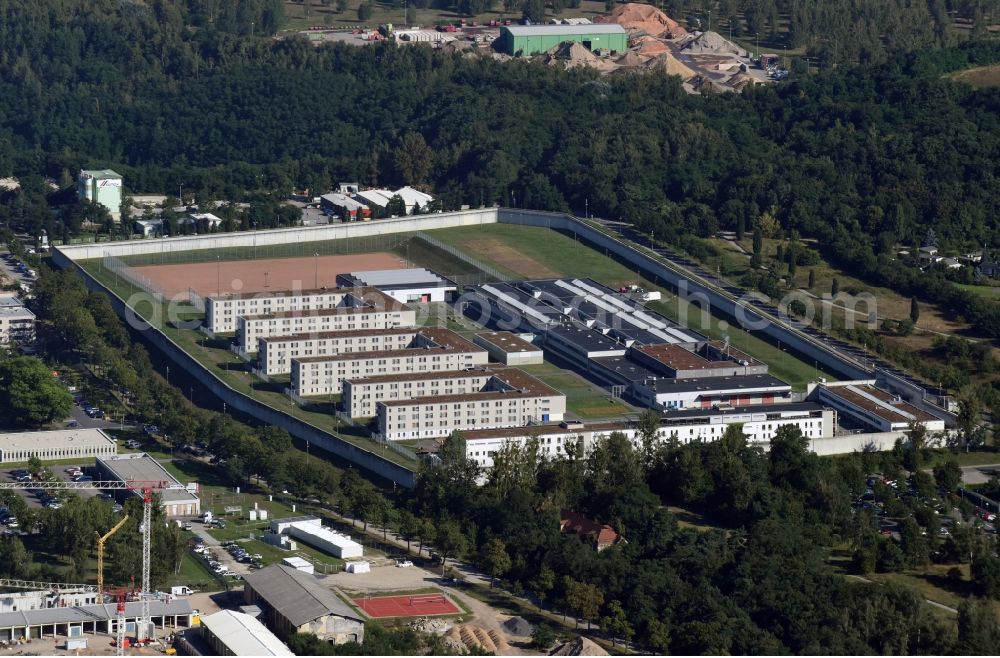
(759,424)
(433,350)
(377,311)
(223,311)
(361,395)
(275,353)
(517,401)
(17,323)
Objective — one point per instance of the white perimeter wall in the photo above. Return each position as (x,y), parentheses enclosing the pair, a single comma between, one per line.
(295,235)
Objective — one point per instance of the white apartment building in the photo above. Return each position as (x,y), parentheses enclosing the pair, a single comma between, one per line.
(223,311)
(361,395)
(759,424)
(251,328)
(435,349)
(526,400)
(17,323)
(275,353)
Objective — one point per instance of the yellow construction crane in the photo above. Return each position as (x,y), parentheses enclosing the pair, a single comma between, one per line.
(100,554)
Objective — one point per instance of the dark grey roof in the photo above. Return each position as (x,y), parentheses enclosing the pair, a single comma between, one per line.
(296,595)
(84,613)
(688,414)
(710,384)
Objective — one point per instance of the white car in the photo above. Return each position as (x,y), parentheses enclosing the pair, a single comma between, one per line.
(404,563)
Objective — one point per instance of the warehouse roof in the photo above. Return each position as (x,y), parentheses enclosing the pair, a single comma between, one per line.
(507,342)
(886,406)
(141,467)
(297,596)
(89,613)
(54,438)
(390,279)
(711,385)
(243,635)
(542,30)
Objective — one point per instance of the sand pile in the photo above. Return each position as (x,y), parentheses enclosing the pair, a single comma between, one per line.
(713,43)
(581,646)
(650,47)
(636,17)
(630,59)
(572,54)
(468,636)
(670,65)
(518,626)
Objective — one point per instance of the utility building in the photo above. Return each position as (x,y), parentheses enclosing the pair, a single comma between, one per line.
(534,39)
(101,186)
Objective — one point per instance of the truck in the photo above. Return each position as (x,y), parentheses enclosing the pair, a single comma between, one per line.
(206,517)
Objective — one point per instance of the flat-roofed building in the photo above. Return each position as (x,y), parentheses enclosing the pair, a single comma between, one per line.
(432,350)
(759,424)
(295,602)
(78,443)
(360,396)
(520,400)
(17,323)
(310,529)
(231,633)
(89,620)
(275,353)
(878,409)
(176,499)
(223,311)
(509,349)
(102,186)
(663,393)
(407,286)
(712,359)
(375,311)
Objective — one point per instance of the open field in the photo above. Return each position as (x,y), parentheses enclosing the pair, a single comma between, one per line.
(981,76)
(583,398)
(266,274)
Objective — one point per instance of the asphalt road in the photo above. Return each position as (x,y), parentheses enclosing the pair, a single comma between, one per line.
(980,473)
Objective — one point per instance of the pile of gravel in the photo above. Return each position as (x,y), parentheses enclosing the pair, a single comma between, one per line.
(519,627)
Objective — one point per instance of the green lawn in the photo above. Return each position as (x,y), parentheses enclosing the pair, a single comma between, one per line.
(973,458)
(583,398)
(990,292)
(195,575)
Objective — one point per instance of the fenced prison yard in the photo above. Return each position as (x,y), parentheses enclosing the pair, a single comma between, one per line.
(203,272)
(261,275)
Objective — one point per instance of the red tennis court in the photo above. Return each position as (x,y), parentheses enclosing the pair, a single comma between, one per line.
(415,605)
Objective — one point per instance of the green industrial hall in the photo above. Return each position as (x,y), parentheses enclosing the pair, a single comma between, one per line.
(534,39)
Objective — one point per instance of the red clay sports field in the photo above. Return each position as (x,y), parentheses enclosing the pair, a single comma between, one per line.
(407,605)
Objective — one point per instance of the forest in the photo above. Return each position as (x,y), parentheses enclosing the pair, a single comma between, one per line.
(197,94)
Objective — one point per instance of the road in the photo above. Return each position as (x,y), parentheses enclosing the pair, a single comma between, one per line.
(980,473)
(942,606)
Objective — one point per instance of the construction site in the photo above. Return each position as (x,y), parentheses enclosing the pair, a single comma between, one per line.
(93,617)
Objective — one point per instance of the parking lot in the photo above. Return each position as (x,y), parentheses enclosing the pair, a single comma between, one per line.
(37,497)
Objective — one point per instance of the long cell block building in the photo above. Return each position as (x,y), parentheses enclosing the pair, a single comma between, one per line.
(431,350)
(515,399)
